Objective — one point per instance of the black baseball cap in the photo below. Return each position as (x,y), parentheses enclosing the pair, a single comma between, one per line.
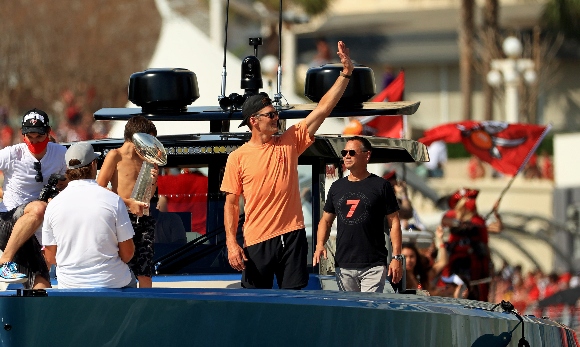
(35,121)
(253,104)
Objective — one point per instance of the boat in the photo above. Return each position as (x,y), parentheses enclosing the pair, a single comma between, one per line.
(241,317)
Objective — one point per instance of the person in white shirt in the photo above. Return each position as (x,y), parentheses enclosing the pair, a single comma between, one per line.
(27,167)
(87,232)
(438,157)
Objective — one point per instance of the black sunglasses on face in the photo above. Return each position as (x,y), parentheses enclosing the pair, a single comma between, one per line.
(270,115)
(350,152)
(37,167)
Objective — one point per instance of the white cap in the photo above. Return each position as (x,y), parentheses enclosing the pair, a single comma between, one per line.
(82,151)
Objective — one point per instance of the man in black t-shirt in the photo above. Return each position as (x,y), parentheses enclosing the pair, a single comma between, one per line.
(361,201)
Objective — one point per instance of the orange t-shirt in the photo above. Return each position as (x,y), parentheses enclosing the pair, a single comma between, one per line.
(267,177)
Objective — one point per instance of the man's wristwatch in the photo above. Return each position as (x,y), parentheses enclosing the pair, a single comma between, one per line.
(345,75)
(399,257)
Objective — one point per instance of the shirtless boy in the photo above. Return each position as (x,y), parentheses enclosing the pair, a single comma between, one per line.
(121,168)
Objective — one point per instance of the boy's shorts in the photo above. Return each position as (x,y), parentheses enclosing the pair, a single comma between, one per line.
(142,262)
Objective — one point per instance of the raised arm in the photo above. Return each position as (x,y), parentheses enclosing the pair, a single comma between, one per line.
(442,256)
(405,208)
(496,226)
(333,95)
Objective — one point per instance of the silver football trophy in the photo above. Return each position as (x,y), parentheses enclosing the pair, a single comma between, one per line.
(152,152)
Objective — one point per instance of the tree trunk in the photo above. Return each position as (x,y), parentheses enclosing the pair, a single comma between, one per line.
(534,88)
(490,40)
(466,32)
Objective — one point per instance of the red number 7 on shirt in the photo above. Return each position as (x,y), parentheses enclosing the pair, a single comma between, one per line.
(354,204)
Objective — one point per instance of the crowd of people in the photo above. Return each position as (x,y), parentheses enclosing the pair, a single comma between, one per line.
(527,291)
(72,120)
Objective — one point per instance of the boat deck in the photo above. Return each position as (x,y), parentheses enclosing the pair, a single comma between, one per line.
(233,316)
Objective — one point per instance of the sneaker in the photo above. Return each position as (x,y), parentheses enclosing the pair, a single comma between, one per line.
(9,273)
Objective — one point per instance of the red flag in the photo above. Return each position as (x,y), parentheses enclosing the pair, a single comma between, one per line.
(507,147)
(394,91)
(387,126)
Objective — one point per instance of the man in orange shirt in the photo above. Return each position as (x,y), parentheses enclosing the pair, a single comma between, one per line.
(265,171)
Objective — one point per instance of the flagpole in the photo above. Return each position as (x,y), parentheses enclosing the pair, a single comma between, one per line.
(502,194)
(404,131)
(404,134)
(528,156)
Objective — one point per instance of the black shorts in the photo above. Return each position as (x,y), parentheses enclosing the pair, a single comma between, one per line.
(283,256)
(29,257)
(142,262)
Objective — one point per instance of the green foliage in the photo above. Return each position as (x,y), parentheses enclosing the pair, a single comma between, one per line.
(311,7)
(547,145)
(456,150)
(563,16)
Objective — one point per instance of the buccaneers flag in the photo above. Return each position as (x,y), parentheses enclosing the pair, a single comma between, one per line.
(383,126)
(507,147)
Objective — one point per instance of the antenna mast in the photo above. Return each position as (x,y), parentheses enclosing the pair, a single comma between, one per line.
(278,96)
(224,72)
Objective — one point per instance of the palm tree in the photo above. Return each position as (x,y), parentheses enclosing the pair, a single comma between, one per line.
(490,36)
(310,7)
(466,33)
(563,16)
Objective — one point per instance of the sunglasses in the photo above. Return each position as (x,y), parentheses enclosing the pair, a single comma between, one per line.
(270,115)
(350,152)
(37,167)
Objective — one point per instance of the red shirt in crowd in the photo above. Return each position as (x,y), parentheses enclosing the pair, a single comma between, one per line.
(186,192)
